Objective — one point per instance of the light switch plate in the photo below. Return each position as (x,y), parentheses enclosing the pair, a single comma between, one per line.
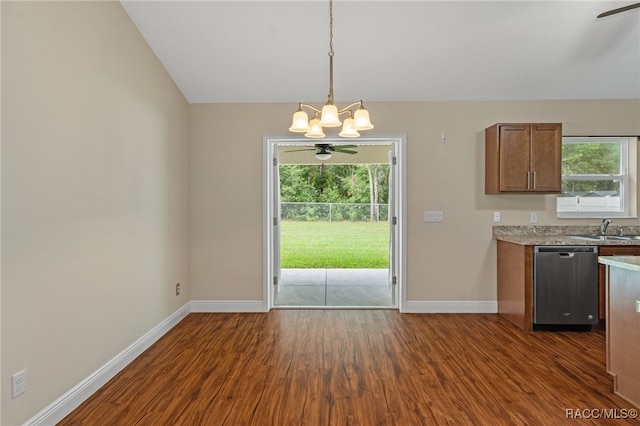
(433,216)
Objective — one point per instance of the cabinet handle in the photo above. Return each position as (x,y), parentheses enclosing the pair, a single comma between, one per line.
(528,181)
(534,180)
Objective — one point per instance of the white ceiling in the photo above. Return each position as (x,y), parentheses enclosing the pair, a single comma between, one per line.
(276,51)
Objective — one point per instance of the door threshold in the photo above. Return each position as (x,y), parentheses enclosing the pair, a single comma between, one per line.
(330,307)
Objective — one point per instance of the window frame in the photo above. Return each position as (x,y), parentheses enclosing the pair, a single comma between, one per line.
(628,160)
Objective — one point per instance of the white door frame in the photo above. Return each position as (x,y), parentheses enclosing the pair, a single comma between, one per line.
(270,142)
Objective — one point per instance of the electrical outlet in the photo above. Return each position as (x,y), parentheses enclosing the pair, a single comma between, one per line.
(638,306)
(18,384)
(496,216)
(534,217)
(178,289)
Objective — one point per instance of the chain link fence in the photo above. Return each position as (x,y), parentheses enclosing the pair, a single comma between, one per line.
(354,212)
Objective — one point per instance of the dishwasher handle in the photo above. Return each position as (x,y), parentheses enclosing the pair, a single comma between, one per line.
(566,255)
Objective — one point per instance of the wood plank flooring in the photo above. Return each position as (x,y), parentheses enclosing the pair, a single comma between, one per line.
(358,367)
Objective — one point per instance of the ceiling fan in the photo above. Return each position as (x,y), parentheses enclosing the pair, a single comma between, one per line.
(324,150)
(619,10)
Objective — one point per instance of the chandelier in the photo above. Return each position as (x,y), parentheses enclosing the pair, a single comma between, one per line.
(329,115)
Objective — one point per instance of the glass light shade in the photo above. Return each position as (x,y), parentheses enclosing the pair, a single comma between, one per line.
(315,131)
(300,123)
(361,118)
(348,131)
(323,156)
(329,117)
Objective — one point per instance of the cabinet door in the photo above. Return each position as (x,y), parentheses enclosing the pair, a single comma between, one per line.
(515,157)
(602,271)
(546,157)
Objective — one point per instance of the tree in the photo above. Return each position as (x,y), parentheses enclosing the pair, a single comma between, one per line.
(590,158)
(595,158)
(376,178)
(351,183)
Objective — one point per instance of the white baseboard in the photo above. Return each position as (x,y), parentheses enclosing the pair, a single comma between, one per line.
(471,307)
(451,307)
(68,402)
(206,306)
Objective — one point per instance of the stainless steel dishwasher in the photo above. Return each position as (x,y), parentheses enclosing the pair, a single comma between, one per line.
(565,285)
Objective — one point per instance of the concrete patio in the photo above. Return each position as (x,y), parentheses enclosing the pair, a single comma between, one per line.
(334,288)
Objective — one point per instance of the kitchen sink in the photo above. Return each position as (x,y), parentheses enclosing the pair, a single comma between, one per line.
(606,237)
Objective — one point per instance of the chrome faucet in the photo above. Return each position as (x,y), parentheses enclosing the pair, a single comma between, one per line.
(604,225)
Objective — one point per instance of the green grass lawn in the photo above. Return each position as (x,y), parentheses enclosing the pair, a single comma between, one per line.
(334,244)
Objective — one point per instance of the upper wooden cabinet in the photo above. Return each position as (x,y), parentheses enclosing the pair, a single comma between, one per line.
(523,158)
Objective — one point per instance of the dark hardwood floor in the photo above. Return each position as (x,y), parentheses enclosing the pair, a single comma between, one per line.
(359,367)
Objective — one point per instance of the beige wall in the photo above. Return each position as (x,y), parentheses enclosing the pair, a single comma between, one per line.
(102,159)
(94,195)
(449,261)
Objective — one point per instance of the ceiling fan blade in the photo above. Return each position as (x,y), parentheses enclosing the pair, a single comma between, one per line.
(619,10)
(303,149)
(346,146)
(345,151)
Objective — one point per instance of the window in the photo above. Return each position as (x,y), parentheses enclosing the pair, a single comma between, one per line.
(598,177)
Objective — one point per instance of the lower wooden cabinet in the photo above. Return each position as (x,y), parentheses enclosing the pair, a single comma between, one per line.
(602,272)
(623,333)
(515,283)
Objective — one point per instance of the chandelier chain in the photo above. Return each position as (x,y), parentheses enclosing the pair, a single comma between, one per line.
(330,99)
(330,27)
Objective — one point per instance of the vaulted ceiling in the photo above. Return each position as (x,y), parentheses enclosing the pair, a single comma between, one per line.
(276,51)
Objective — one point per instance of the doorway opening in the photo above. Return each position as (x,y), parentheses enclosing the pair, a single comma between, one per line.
(334,229)
(317,268)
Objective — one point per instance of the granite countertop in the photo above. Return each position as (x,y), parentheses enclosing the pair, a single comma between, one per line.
(632,263)
(560,235)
